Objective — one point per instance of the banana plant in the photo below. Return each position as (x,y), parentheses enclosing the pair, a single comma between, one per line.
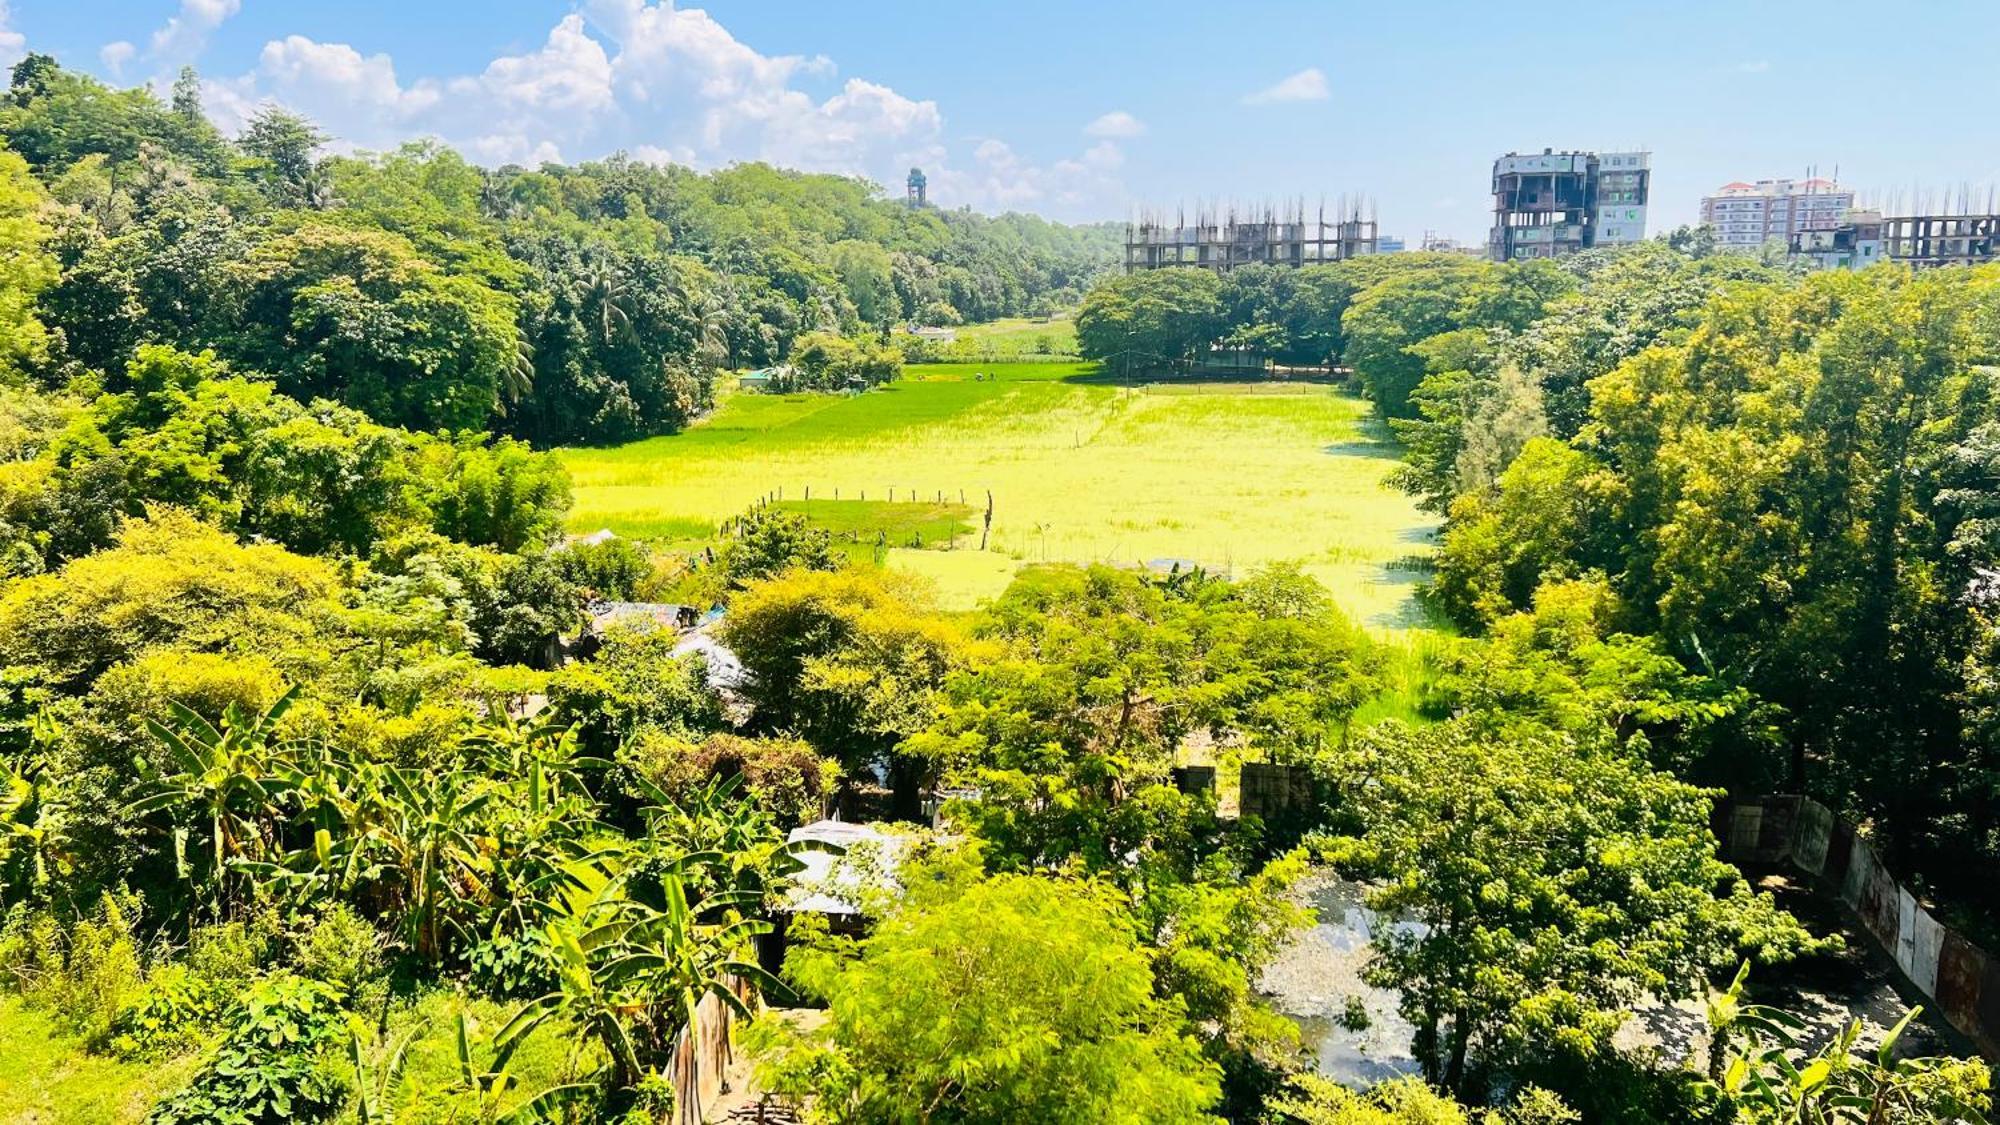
(737,844)
(234,775)
(1771,1078)
(375,1086)
(630,977)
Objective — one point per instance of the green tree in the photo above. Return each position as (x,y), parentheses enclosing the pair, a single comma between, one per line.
(357,317)
(1151,319)
(852,661)
(26,268)
(1013,999)
(284,142)
(1555,879)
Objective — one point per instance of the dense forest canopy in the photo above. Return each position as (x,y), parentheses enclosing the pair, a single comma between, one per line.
(324,794)
(590,303)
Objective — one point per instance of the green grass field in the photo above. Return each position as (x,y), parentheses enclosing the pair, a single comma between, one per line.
(1230,475)
(1023,335)
(1016,337)
(47,1078)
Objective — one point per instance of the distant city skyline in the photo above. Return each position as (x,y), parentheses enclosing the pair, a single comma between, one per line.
(1089,112)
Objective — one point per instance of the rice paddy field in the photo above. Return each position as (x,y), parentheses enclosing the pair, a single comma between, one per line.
(1228,475)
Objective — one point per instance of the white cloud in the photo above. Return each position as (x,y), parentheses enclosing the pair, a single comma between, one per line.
(116,55)
(1758,66)
(1308,85)
(335,74)
(1117,123)
(1082,186)
(12,43)
(570,72)
(187,31)
(669,85)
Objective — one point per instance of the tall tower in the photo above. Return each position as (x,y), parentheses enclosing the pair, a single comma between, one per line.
(917,185)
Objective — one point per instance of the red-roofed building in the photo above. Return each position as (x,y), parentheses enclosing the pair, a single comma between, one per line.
(1746,216)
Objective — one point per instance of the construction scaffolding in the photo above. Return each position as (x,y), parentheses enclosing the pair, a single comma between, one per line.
(1223,239)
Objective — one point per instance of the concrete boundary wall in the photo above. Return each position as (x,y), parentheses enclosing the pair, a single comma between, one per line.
(1961,980)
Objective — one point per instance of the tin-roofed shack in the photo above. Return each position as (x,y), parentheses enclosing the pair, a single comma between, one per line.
(863,860)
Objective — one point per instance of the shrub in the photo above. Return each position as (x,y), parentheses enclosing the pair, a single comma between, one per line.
(85,973)
(611,569)
(175,1010)
(341,949)
(769,542)
(635,681)
(782,775)
(275,1065)
(180,1004)
(514,966)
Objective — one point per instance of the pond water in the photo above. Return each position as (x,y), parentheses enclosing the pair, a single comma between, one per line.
(1355,1032)
(1352,1027)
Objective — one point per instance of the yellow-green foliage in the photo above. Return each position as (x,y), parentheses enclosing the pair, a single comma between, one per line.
(1313,1100)
(26,267)
(170,580)
(1231,475)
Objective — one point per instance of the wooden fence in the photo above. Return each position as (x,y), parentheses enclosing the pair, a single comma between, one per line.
(701,1056)
(1961,979)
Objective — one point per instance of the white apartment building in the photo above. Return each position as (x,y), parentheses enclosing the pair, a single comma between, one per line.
(1622,189)
(1746,216)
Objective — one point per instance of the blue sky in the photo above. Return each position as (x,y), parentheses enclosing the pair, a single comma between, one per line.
(1088,110)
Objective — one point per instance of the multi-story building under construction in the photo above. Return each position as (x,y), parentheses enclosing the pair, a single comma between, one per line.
(1549,204)
(1268,236)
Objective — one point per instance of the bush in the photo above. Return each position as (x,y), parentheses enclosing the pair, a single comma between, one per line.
(341,949)
(768,543)
(84,974)
(174,1011)
(275,1065)
(514,966)
(611,569)
(784,776)
(635,681)
(181,1004)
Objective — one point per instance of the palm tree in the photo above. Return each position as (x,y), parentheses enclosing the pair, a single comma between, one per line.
(605,288)
(712,317)
(517,376)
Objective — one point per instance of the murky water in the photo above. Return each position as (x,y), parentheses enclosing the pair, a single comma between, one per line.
(1358,1037)
(1317,982)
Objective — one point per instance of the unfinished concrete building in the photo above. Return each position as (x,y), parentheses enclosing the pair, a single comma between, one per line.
(1224,240)
(1942,240)
(1550,204)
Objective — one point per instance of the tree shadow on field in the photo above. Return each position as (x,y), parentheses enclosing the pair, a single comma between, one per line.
(1412,612)
(1097,376)
(1376,450)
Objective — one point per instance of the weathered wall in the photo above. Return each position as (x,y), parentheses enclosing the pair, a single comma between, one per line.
(1961,980)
